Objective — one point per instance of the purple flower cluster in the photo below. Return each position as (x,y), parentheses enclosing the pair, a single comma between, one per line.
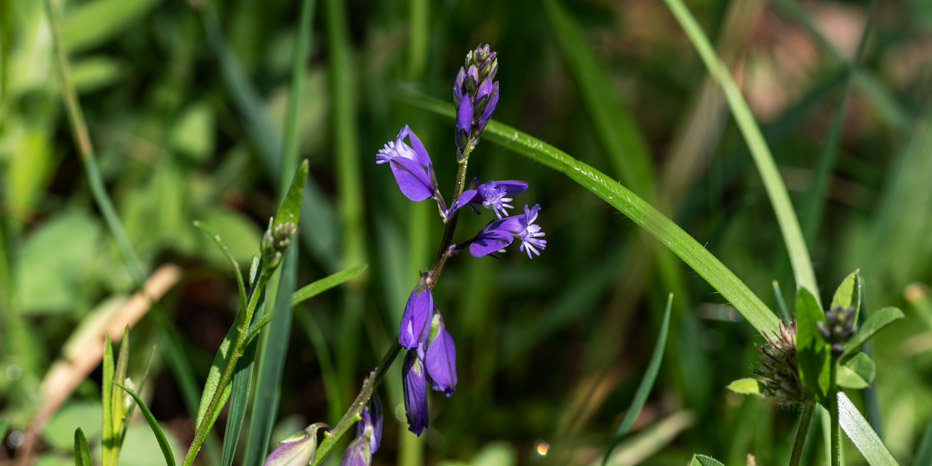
(431,355)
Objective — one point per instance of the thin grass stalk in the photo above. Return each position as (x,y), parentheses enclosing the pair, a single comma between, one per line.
(805,420)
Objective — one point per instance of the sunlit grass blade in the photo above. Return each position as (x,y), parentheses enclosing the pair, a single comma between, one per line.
(154,425)
(82,452)
(616,127)
(116,411)
(213,235)
(309,291)
(672,236)
(647,383)
(628,203)
(776,190)
(106,389)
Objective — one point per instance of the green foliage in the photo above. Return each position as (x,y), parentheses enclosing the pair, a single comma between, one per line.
(703,460)
(154,425)
(82,452)
(857,373)
(746,386)
(848,294)
(812,351)
(875,323)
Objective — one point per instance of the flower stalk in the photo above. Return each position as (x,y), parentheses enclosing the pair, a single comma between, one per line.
(805,419)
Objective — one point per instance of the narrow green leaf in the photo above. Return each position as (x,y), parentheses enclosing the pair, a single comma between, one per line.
(613,122)
(848,293)
(82,452)
(116,411)
(106,388)
(309,291)
(776,190)
(875,323)
(702,460)
(290,209)
(154,425)
(644,388)
(94,22)
(857,373)
(639,211)
(781,303)
(216,371)
(812,351)
(4,424)
(207,230)
(747,386)
(862,435)
(924,452)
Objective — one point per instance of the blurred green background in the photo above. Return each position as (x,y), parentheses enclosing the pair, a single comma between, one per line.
(185,103)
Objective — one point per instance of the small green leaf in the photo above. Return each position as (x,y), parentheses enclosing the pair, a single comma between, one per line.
(154,425)
(82,452)
(226,252)
(116,410)
(862,435)
(811,349)
(290,208)
(107,395)
(213,376)
(848,293)
(647,383)
(857,373)
(875,323)
(309,291)
(3,426)
(702,460)
(747,386)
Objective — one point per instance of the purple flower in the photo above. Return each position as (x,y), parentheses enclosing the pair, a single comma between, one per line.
(491,195)
(489,108)
(440,360)
(463,123)
(475,93)
(371,423)
(458,86)
(414,321)
(415,392)
(296,450)
(411,166)
(358,453)
(500,233)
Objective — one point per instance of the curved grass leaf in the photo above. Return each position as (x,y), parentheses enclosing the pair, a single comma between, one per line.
(776,190)
(875,323)
(672,236)
(647,382)
(154,425)
(207,230)
(82,452)
(309,291)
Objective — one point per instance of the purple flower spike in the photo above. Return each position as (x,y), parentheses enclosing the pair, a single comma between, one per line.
(371,422)
(411,165)
(458,86)
(482,96)
(415,392)
(415,319)
(358,453)
(464,115)
(531,234)
(440,360)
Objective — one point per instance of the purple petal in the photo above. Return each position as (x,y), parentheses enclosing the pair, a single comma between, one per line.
(440,361)
(468,196)
(371,420)
(485,88)
(415,393)
(419,151)
(458,86)
(358,453)
(463,121)
(413,182)
(489,108)
(488,242)
(415,318)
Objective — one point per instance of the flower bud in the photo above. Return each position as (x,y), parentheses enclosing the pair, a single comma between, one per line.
(440,358)
(358,453)
(296,450)
(415,392)
(371,422)
(415,319)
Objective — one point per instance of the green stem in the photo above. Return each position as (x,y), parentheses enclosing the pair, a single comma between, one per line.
(833,411)
(236,351)
(805,419)
(375,377)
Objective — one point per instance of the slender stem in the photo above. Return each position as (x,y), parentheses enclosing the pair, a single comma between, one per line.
(805,419)
(375,377)
(235,352)
(833,411)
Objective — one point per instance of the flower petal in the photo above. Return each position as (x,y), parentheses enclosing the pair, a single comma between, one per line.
(411,178)
(415,318)
(487,242)
(415,393)
(440,361)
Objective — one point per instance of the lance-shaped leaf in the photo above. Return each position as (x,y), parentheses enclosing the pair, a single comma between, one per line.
(703,460)
(290,209)
(857,373)
(875,323)
(812,350)
(747,386)
(154,425)
(82,452)
(848,293)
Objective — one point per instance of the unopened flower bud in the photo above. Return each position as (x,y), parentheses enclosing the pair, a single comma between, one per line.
(296,450)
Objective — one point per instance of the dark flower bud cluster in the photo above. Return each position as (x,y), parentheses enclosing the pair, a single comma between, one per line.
(778,366)
(275,240)
(837,328)
(475,93)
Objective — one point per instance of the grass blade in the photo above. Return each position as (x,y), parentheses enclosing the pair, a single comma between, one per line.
(106,388)
(612,119)
(154,425)
(776,190)
(924,452)
(673,237)
(82,452)
(647,383)
(207,230)
(309,291)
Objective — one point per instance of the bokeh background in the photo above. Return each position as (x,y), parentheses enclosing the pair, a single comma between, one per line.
(185,102)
